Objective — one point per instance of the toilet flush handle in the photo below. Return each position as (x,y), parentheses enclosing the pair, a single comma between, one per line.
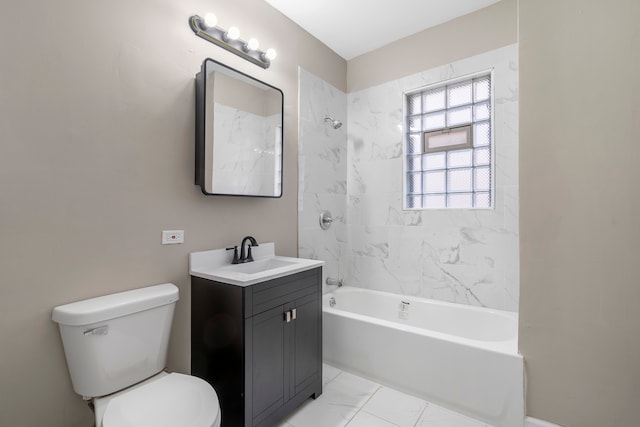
(100,330)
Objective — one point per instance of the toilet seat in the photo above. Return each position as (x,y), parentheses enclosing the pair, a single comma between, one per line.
(170,401)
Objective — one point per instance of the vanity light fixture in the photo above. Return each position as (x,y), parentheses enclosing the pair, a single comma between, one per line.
(252,44)
(210,20)
(207,28)
(270,54)
(232,34)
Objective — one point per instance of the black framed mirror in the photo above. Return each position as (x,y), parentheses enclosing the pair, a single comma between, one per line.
(239,133)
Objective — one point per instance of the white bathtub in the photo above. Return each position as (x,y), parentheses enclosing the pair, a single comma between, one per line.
(461,357)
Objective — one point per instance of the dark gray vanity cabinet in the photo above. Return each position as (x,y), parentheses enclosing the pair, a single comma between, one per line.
(259,346)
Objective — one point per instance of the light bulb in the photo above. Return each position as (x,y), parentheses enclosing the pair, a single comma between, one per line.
(233,33)
(270,54)
(210,20)
(253,44)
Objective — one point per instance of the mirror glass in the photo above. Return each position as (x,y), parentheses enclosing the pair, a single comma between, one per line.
(238,133)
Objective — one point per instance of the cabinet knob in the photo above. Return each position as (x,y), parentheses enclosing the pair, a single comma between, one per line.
(293,314)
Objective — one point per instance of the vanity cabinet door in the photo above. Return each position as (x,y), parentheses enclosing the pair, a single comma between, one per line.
(284,357)
(270,362)
(306,349)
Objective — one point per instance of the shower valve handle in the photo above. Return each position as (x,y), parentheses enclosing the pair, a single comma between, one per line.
(326,219)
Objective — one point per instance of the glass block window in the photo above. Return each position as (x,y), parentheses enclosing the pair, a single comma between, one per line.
(448,146)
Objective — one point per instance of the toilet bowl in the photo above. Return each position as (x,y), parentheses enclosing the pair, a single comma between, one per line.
(116,347)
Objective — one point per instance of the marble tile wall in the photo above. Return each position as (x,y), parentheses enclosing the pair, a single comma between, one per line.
(241,163)
(464,256)
(322,173)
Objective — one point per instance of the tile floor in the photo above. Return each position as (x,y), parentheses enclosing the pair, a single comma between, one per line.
(352,401)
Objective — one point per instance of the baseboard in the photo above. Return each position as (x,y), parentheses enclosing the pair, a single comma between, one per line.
(534,422)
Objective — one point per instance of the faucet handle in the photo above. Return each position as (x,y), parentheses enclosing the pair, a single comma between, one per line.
(235,254)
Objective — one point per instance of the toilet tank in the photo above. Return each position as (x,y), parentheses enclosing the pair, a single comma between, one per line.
(114,341)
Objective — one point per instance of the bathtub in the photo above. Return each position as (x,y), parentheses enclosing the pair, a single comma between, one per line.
(461,357)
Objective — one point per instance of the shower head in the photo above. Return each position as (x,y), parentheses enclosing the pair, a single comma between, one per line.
(334,122)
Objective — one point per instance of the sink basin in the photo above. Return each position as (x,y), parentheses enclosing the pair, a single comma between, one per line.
(258,266)
(216,265)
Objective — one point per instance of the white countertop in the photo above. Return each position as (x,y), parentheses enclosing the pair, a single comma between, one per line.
(216,265)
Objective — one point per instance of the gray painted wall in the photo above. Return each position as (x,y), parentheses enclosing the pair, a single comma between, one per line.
(97,157)
(580,204)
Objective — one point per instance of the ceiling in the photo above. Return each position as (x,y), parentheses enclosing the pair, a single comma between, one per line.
(354,27)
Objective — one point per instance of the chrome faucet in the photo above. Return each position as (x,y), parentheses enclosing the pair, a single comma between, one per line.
(248,257)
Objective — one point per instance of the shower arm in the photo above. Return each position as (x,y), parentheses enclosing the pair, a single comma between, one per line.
(335,123)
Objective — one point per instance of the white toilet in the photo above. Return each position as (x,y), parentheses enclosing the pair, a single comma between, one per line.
(116,349)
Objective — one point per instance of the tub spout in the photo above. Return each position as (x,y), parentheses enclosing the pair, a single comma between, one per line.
(334,282)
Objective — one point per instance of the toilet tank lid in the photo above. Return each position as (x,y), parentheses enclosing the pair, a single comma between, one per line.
(116,305)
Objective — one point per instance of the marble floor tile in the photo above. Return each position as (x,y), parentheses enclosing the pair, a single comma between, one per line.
(340,401)
(396,407)
(351,401)
(437,416)
(365,419)
(329,373)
